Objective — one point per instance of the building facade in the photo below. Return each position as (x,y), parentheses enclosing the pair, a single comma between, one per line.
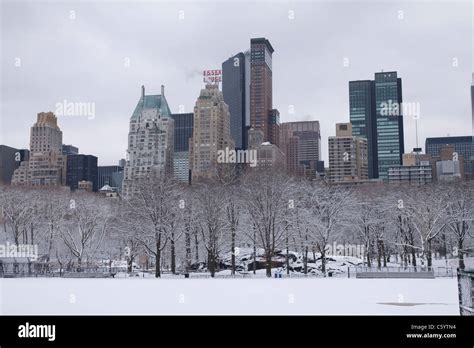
(261,85)
(150,140)
(46,165)
(111,176)
(274,126)
(10,159)
(69,150)
(363,118)
(376,114)
(463,147)
(348,158)
(211,133)
(82,168)
(269,156)
(410,174)
(235,89)
(301,143)
(388,110)
(183,132)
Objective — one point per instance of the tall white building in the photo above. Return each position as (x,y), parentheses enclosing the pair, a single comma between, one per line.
(150,140)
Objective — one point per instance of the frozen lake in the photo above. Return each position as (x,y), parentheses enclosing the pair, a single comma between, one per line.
(49,296)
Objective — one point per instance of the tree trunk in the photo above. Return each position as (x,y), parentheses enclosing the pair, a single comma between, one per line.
(233,250)
(428,254)
(130,264)
(305,260)
(461,254)
(196,245)
(384,255)
(268,265)
(187,238)
(254,251)
(413,251)
(323,261)
(369,263)
(211,264)
(158,260)
(173,255)
(379,254)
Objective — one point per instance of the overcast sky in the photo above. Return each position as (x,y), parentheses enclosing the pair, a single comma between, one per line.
(50,54)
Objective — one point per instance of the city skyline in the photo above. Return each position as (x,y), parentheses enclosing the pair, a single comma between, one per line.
(307,84)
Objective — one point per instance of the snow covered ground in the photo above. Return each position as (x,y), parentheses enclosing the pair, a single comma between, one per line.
(51,296)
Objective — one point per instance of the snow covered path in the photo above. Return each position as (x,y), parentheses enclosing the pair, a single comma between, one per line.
(229,296)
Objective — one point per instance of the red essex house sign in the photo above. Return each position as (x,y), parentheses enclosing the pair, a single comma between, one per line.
(212,76)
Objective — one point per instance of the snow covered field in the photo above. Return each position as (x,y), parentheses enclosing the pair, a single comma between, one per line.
(228,296)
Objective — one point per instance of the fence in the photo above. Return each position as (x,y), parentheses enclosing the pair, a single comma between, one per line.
(466,292)
(402,272)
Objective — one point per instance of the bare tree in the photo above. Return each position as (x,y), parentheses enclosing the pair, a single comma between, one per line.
(16,205)
(460,216)
(53,213)
(88,217)
(267,197)
(427,210)
(327,206)
(153,207)
(212,222)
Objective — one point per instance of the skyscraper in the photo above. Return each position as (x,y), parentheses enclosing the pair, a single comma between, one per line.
(46,165)
(183,132)
(363,119)
(308,146)
(347,155)
(260,84)
(150,140)
(211,132)
(82,168)
(388,110)
(376,114)
(235,89)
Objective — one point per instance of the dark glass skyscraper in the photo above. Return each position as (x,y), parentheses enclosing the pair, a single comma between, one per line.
(81,168)
(376,114)
(363,120)
(235,89)
(183,130)
(388,110)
